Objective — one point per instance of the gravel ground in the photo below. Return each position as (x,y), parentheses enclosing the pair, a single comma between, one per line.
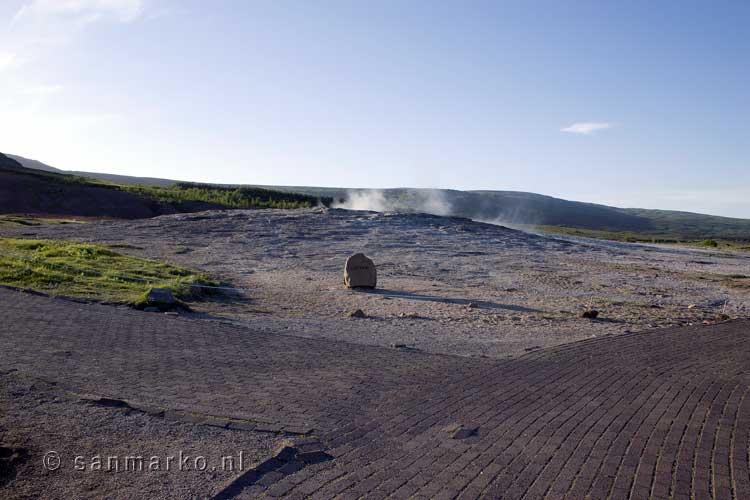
(37,418)
(446,285)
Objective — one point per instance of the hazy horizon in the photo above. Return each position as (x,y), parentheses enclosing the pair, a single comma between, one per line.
(638,105)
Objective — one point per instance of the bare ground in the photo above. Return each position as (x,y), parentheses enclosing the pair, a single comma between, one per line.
(446,285)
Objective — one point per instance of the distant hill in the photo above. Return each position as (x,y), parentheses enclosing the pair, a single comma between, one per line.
(503,207)
(27,191)
(36,165)
(48,192)
(530,209)
(118,179)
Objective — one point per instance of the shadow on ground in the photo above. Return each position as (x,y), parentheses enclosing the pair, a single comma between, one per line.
(479,304)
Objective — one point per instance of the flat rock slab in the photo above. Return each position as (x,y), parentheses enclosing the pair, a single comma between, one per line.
(655,415)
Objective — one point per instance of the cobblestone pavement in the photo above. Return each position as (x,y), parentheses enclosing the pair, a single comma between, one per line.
(663,414)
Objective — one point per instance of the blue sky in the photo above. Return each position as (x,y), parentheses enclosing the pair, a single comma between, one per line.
(638,103)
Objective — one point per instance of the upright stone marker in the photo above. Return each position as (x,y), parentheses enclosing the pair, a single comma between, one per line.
(360,272)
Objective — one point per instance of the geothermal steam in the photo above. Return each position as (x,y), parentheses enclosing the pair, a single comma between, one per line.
(429,201)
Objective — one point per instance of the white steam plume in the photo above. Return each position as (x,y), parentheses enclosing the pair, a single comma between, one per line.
(429,201)
(366,199)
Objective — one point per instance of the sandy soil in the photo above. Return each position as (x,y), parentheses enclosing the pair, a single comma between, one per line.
(446,285)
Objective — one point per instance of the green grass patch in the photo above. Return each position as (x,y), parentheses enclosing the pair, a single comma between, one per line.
(91,271)
(625,236)
(19,220)
(633,237)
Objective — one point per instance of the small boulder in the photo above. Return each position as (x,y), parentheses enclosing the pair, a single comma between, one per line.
(590,314)
(160,296)
(359,313)
(160,299)
(360,272)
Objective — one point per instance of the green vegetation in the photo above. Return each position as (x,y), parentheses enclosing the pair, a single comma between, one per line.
(742,246)
(91,271)
(229,197)
(626,236)
(634,237)
(183,192)
(17,220)
(693,227)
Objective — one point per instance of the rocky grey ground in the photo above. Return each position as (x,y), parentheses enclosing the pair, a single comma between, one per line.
(446,285)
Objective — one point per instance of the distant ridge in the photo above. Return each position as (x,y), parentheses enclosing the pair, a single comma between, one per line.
(119,179)
(49,191)
(503,207)
(547,213)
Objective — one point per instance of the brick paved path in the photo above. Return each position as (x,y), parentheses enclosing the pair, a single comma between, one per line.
(659,415)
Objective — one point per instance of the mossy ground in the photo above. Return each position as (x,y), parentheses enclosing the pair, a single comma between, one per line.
(20,220)
(91,271)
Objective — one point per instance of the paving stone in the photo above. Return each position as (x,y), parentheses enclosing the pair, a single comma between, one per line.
(652,415)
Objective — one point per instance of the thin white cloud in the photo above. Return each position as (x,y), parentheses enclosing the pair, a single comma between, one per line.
(122,10)
(44,29)
(586,128)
